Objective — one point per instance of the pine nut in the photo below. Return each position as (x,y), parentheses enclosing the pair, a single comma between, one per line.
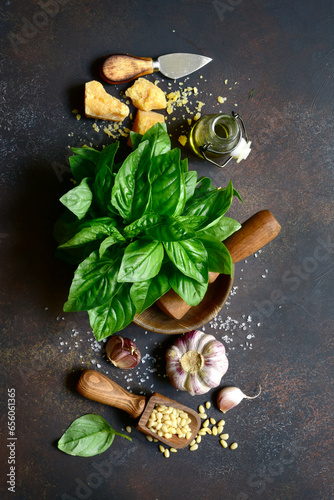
(162,448)
(198,439)
(128,429)
(166,453)
(221,422)
(201,409)
(192,442)
(212,421)
(224,436)
(202,432)
(173,450)
(207,405)
(220,429)
(234,446)
(203,416)
(214,431)
(206,423)
(149,438)
(193,447)
(223,443)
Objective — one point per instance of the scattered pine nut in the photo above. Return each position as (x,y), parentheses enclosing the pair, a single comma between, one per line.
(198,439)
(212,421)
(221,422)
(214,431)
(203,416)
(149,438)
(201,409)
(166,453)
(173,450)
(162,448)
(128,428)
(202,432)
(224,436)
(234,446)
(206,423)
(224,443)
(220,429)
(194,447)
(192,442)
(207,405)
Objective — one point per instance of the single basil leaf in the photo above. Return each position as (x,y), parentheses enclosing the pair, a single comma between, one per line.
(141,261)
(81,168)
(94,282)
(139,225)
(93,230)
(88,436)
(193,222)
(169,229)
(204,187)
(113,316)
(78,199)
(130,192)
(115,237)
(184,166)
(219,258)
(158,139)
(107,156)
(212,204)
(87,153)
(135,139)
(190,179)
(221,230)
(190,290)
(167,195)
(102,188)
(146,293)
(190,257)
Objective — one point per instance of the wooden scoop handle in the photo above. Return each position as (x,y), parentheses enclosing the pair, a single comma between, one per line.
(93,385)
(255,232)
(121,68)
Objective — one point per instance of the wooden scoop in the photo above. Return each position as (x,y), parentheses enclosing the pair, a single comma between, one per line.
(256,232)
(93,385)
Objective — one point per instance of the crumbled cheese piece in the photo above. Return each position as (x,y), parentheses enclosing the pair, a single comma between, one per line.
(78,117)
(183,140)
(221,99)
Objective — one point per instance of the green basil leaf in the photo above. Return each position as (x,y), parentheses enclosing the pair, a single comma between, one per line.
(81,168)
(146,293)
(131,189)
(168,193)
(221,230)
(158,139)
(190,257)
(213,204)
(113,316)
(190,290)
(79,199)
(135,139)
(87,153)
(169,229)
(94,282)
(88,436)
(139,225)
(93,230)
(219,258)
(107,156)
(190,179)
(115,237)
(141,261)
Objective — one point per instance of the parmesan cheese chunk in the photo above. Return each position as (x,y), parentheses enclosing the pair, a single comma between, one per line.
(146,96)
(101,105)
(145,120)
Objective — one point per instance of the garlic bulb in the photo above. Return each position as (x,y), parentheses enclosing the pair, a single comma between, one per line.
(229,397)
(196,362)
(122,352)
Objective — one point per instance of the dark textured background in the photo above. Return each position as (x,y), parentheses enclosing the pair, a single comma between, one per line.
(282,50)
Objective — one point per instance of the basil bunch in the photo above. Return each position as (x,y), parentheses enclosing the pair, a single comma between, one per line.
(139,228)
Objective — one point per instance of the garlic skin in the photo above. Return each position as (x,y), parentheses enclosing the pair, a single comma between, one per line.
(196,362)
(229,397)
(122,352)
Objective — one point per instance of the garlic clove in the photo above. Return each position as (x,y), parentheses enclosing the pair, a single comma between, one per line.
(229,397)
(122,352)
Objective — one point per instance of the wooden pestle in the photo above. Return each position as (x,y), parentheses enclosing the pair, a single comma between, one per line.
(255,232)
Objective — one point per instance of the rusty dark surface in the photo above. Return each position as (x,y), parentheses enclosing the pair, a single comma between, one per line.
(283,51)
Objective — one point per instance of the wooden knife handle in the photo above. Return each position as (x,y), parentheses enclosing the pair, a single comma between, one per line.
(121,68)
(255,232)
(93,385)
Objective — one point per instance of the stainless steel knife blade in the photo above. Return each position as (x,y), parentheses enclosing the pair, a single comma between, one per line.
(179,64)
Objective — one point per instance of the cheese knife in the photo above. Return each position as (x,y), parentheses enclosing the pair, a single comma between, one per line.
(121,68)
